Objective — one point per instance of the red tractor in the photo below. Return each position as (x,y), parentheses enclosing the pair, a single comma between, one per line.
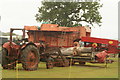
(26,53)
(29,54)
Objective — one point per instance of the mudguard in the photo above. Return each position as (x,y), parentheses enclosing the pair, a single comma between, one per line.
(29,43)
(11,49)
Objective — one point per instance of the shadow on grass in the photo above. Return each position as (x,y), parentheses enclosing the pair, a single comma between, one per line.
(101,66)
(77,65)
(21,69)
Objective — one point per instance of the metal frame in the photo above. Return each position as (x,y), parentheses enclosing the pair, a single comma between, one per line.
(11,31)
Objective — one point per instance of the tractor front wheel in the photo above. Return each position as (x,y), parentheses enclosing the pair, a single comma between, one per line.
(6,62)
(30,58)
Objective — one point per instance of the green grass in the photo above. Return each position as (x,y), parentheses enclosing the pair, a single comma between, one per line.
(76,71)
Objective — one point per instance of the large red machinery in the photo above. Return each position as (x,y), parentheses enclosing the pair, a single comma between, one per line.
(30,51)
(26,53)
(112,46)
(94,50)
(56,35)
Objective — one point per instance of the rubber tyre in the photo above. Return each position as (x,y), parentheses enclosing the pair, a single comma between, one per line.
(49,63)
(58,62)
(66,63)
(30,58)
(7,63)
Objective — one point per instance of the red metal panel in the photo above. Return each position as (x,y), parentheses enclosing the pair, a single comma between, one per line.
(30,28)
(67,39)
(71,38)
(12,50)
(30,36)
(54,39)
(82,32)
(112,49)
(99,40)
(36,34)
(62,41)
(41,36)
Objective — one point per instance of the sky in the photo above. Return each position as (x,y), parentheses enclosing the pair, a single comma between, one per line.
(109,13)
(19,13)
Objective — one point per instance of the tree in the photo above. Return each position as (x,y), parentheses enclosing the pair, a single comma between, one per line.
(70,13)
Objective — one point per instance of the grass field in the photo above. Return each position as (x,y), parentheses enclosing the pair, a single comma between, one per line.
(87,71)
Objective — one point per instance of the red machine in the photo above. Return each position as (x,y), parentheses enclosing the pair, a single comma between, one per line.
(56,36)
(94,50)
(102,44)
(28,52)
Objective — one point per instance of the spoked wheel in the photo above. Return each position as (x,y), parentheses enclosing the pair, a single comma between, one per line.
(7,63)
(66,63)
(30,58)
(49,63)
(61,63)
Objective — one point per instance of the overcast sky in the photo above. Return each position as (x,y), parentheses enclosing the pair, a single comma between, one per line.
(18,13)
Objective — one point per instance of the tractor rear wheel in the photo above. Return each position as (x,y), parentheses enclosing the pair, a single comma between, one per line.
(6,62)
(30,58)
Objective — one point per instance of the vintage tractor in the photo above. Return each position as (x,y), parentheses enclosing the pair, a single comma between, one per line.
(30,53)
(26,53)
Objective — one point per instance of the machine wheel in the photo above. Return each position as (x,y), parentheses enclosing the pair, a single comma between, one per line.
(49,63)
(82,63)
(66,63)
(7,63)
(30,58)
(60,63)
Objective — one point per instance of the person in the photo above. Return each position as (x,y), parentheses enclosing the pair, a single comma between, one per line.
(77,44)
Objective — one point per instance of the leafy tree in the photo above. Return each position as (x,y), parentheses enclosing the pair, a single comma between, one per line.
(70,13)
